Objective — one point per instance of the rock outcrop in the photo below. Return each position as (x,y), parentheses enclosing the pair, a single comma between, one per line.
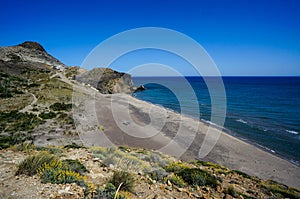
(14,59)
(32,56)
(107,81)
(140,88)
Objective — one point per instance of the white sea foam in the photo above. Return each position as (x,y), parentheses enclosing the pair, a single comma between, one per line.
(266,148)
(242,121)
(292,132)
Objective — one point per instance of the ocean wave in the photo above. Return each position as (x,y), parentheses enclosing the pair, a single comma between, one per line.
(266,148)
(209,122)
(292,132)
(213,124)
(242,121)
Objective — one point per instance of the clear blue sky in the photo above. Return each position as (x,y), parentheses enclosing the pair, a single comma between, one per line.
(244,37)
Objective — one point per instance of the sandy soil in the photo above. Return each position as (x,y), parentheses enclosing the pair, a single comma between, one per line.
(129,121)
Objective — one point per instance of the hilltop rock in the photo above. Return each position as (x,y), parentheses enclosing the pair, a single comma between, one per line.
(28,55)
(32,45)
(107,81)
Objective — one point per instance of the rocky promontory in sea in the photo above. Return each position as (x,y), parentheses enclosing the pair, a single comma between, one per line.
(107,81)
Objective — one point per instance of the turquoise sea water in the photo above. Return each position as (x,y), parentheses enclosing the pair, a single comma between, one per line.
(262,110)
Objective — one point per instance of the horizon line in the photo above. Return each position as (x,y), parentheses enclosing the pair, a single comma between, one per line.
(224,76)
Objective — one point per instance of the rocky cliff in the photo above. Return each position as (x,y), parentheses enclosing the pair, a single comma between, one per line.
(14,59)
(33,56)
(107,81)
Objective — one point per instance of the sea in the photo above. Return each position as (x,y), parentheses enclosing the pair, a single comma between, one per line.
(264,111)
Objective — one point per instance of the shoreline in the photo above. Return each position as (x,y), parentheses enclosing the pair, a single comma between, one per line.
(253,143)
(126,122)
(231,133)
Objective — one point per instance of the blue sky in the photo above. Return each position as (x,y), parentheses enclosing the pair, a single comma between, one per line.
(244,37)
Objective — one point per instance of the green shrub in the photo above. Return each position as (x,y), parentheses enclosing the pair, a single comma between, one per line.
(15,121)
(177,180)
(49,115)
(99,151)
(6,141)
(76,166)
(158,174)
(52,150)
(57,172)
(74,146)
(61,107)
(65,118)
(14,139)
(231,191)
(110,187)
(196,176)
(176,167)
(132,163)
(109,192)
(18,91)
(25,146)
(35,110)
(33,85)
(124,179)
(30,165)
(282,191)
(110,160)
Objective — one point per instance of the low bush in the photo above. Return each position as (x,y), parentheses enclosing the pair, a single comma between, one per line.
(52,150)
(231,191)
(109,192)
(110,160)
(15,121)
(156,159)
(124,179)
(158,174)
(26,146)
(280,190)
(75,166)
(30,165)
(61,107)
(14,139)
(73,146)
(176,167)
(57,172)
(177,180)
(6,141)
(197,177)
(49,115)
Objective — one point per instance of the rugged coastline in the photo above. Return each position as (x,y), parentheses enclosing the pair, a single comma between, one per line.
(43,105)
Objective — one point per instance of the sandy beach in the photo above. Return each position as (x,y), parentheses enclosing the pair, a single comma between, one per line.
(125,120)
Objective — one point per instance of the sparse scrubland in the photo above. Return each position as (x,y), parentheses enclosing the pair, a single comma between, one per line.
(134,173)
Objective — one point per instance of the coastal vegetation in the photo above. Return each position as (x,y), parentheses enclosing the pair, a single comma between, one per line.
(180,179)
